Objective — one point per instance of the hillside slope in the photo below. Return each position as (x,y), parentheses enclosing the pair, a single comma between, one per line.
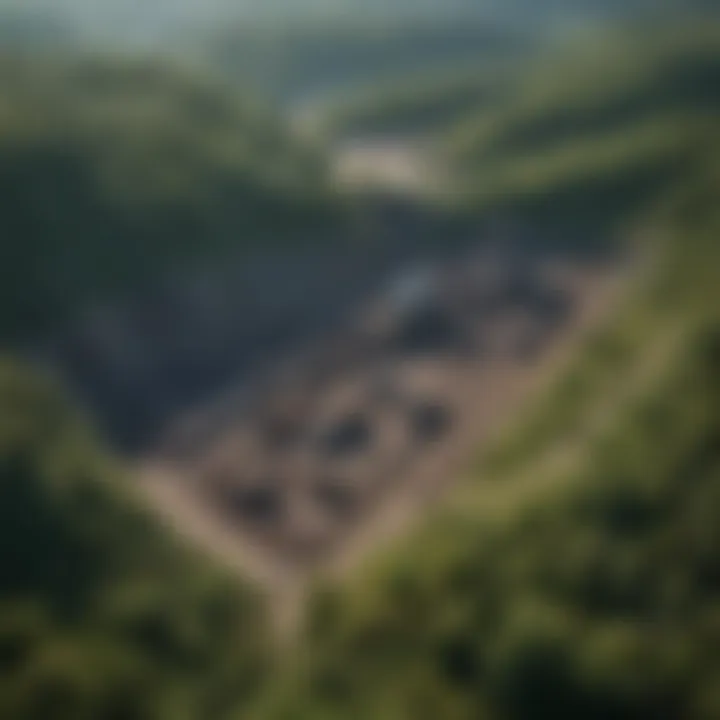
(115,172)
(609,132)
(102,613)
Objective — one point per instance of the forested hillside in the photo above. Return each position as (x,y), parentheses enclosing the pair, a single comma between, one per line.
(102,613)
(114,171)
(543,92)
(586,132)
(423,105)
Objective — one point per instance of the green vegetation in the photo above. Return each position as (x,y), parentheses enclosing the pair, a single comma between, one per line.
(574,136)
(102,614)
(115,171)
(587,138)
(573,574)
(425,104)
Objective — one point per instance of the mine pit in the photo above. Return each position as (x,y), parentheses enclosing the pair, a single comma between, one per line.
(334,391)
(352,423)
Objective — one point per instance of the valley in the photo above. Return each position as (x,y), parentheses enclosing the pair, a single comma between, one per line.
(289,411)
(359,361)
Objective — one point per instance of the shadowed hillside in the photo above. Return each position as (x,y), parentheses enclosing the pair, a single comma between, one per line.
(103,614)
(116,173)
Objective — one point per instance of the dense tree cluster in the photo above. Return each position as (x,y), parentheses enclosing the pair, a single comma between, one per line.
(113,172)
(591,134)
(102,614)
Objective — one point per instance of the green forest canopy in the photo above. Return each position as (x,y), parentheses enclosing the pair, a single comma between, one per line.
(115,170)
(103,614)
(589,131)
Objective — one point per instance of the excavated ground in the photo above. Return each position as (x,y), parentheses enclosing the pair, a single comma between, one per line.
(336,446)
(292,411)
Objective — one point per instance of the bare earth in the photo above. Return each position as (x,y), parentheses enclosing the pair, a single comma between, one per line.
(338,450)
